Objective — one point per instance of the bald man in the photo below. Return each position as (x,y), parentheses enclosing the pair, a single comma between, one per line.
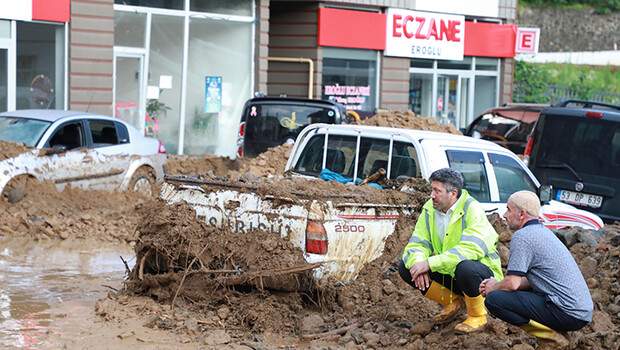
(544,291)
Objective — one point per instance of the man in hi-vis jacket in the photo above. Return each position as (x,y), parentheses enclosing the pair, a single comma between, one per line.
(451,251)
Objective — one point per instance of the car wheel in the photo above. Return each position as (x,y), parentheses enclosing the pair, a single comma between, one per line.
(15,189)
(143,182)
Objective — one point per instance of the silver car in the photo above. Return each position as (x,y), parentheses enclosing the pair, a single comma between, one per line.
(80,149)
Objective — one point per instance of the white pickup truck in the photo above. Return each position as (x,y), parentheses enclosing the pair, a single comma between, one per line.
(345,236)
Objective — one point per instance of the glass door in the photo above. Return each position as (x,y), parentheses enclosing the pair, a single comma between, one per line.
(463,117)
(4,79)
(446,103)
(129,93)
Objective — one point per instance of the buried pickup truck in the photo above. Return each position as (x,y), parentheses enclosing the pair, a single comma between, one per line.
(77,149)
(344,236)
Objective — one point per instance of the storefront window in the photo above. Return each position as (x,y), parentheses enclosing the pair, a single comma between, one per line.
(451,64)
(489,64)
(229,7)
(165,71)
(486,92)
(218,83)
(40,66)
(421,93)
(129,29)
(350,78)
(164,4)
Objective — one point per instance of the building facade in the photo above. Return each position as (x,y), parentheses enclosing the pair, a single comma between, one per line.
(181,70)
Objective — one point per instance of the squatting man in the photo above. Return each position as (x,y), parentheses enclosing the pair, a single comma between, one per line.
(451,251)
(544,291)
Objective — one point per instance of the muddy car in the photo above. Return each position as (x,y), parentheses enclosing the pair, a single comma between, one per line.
(77,149)
(508,126)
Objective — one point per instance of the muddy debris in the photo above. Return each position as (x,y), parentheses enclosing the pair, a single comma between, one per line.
(214,276)
(42,212)
(408,120)
(11,149)
(269,163)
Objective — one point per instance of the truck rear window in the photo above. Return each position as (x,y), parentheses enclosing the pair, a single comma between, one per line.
(589,146)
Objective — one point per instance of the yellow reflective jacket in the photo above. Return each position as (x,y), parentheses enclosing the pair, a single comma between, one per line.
(469,236)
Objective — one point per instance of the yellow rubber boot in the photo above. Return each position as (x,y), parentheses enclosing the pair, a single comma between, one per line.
(547,337)
(476,315)
(452,303)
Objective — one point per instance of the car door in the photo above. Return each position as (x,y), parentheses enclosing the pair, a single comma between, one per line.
(71,165)
(111,154)
(510,176)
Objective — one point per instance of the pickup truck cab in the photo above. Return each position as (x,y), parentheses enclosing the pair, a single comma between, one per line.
(491,173)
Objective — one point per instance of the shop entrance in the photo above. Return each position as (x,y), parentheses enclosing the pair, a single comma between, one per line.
(452,101)
(129,94)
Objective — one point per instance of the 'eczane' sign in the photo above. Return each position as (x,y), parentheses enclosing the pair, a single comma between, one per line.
(418,34)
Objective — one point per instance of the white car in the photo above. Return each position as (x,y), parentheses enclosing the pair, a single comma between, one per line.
(492,173)
(80,149)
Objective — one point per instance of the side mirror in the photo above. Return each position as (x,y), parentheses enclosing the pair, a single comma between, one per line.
(545,193)
(58,149)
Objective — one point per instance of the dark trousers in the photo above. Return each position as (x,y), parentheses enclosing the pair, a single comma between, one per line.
(467,277)
(519,307)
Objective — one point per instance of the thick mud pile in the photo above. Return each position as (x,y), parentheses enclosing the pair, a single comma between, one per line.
(271,162)
(42,213)
(10,150)
(253,288)
(408,120)
(200,165)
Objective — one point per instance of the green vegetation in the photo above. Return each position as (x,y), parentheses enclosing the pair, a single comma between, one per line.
(551,82)
(601,6)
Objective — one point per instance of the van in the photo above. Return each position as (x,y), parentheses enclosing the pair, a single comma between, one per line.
(576,149)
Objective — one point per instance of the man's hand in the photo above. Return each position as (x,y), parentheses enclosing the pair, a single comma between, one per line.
(419,275)
(487,286)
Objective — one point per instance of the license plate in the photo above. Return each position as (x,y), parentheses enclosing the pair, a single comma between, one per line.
(583,199)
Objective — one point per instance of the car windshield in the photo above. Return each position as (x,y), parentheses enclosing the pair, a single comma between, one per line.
(276,122)
(586,145)
(22,130)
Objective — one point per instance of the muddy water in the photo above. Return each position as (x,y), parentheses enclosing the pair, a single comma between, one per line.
(39,279)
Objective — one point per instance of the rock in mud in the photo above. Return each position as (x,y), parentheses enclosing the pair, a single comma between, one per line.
(217,337)
(422,328)
(601,322)
(312,324)
(588,267)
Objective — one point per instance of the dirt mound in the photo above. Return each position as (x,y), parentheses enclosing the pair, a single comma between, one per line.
(45,213)
(200,165)
(408,120)
(10,149)
(271,162)
(232,279)
(258,284)
(298,190)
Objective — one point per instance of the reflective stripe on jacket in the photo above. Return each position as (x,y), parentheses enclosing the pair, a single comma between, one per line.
(469,236)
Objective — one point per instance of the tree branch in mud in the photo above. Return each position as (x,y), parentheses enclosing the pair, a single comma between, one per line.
(185,273)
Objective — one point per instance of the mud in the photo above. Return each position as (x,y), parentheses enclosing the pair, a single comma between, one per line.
(45,213)
(408,120)
(206,285)
(269,163)
(10,150)
(200,165)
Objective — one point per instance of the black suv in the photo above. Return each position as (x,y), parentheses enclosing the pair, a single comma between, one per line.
(272,121)
(576,149)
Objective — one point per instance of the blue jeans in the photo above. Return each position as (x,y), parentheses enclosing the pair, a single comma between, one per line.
(519,307)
